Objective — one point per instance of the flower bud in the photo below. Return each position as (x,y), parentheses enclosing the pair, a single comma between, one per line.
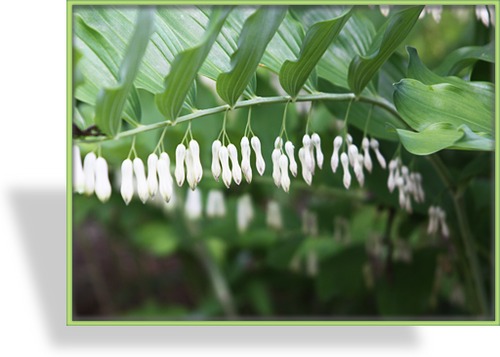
(274,215)
(306,174)
(245,159)
(102,184)
(334,162)
(216,169)
(367,162)
(216,206)
(193,208)
(140,177)
(191,171)
(89,173)
(375,146)
(285,179)
(224,160)
(345,165)
(278,143)
(259,160)
(244,213)
(236,169)
(358,170)
(152,178)
(166,183)
(194,149)
(127,184)
(180,155)
(78,175)
(316,141)
(352,152)
(276,170)
(289,148)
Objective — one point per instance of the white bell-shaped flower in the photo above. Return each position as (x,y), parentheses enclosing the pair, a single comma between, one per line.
(273,218)
(358,170)
(216,206)
(334,162)
(433,221)
(244,212)
(78,175)
(226,171)
(380,158)
(275,157)
(235,165)
(194,207)
(308,153)
(260,164)
(391,181)
(306,174)
(127,181)
(152,177)
(166,182)
(180,156)
(102,184)
(344,160)
(278,143)
(367,160)
(245,159)
(316,141)
(191,170)
(216,168)
(289,148)
(352,152)
(140,177)
(284,178)
(348,139)
(194,149)
(89,173)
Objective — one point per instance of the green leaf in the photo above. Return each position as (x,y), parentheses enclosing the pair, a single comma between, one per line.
(398,26)
(111,101)
(473,141)
(421,105)
(257,31)
(293,74)
(433,138)
(185,67)
(156,237)
(464,57)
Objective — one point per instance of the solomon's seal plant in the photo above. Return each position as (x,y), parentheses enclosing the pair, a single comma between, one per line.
(196,103)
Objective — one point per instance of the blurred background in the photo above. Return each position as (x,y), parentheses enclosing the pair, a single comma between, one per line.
(319,252)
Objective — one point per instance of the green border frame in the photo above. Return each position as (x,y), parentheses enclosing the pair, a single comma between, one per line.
(69,173)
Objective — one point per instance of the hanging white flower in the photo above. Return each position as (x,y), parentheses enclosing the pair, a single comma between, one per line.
(166,182)
(102,184)
(244,212)
(367,162)
(89,173)
(194,149)
(308,153)
(334,162)
(380,158)
(152,177)
(127,181)
(226,171)
(236,169)
(191,170)
(306,174)
(316,141)
(275,157)
(289,148)
(259,159)
(284,178)
(274,219)
(180,155)
(140,177)
(78,175)
(194,207)
(344,160)
(245,159)
(216,206)
(216,168)
(391,181)
(358,170)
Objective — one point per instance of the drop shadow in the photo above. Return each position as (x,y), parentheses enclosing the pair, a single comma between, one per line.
(41,216)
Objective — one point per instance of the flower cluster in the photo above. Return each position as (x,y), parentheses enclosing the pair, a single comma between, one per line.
(408,183)
(355,158)
(282,163)
(92,176)
(221,155)
(437,217)
(310,144)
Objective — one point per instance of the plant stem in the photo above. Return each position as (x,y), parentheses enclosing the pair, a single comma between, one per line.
(468,253)
(380,102)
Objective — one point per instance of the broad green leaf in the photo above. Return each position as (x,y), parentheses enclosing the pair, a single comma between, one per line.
(433,138)
(473,141)
(111,101)
(258,30)
(464,57)
(293,74)
(398,26)
(185,67)
(421,105)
